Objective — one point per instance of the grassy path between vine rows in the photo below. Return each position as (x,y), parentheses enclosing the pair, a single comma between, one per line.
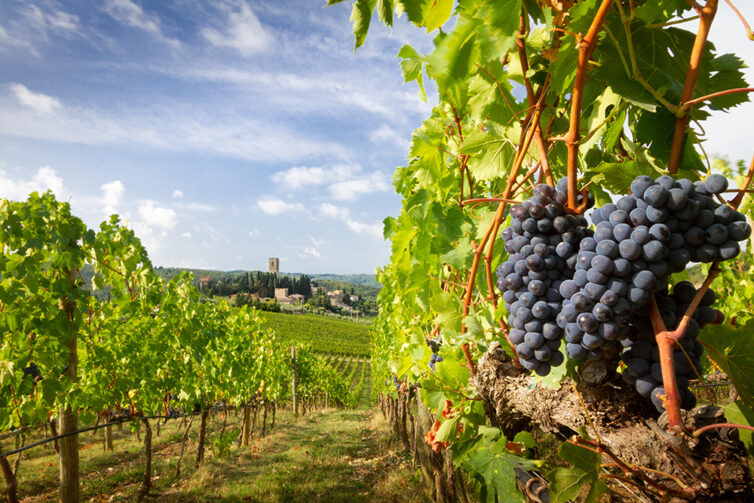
(328,456)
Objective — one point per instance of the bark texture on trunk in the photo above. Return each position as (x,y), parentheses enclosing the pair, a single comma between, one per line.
(627,424)
(264,420)
(108,442)
(246,426)
(11,486)
(69,458)
(202,435)
(183,447)
(146,481)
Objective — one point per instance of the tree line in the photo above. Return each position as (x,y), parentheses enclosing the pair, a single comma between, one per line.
(256,282)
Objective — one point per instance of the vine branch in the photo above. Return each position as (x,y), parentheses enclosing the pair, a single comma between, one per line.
(706,16)
(588,43)
(749,34)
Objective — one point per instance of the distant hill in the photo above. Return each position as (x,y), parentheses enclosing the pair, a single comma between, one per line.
(353,279)
(363,285)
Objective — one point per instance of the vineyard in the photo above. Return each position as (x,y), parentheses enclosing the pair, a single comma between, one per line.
(324,335)
(148,352)
(567,314)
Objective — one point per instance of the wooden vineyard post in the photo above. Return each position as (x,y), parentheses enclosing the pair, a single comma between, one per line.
(293,381)
(68,422)
(264,419)
(202,435)
(246,426)
(108,438)
(10,481)
(146,482)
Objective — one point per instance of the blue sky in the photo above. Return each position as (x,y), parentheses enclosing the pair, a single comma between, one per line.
(227,131)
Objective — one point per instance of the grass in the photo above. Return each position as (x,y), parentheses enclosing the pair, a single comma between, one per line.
(329,456)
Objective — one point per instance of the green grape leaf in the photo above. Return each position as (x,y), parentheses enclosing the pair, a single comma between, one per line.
(732,348)
(385,11)
(437,14)
(361,16)
(567,483)
(454,58)
(412,65)
(739,413)
(448,309)
(448,429)
(487,455)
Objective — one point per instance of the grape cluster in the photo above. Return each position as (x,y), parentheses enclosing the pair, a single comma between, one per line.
(542,242)
(33,372)
(638,242)
(642,354)
(434,345)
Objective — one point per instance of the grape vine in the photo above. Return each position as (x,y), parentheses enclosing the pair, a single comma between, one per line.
(607,98)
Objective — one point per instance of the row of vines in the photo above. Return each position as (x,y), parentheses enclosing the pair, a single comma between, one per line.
(605,99)
(146,348)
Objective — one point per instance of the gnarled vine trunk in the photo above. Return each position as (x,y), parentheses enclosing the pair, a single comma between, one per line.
(713,465)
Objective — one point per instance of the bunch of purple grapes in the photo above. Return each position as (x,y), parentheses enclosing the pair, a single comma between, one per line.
(638,242)
(434,345)
(642,354)
(542,242)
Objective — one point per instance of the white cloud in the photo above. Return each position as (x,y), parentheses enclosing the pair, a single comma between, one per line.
(54,20)
(220,131)
(308,252)
(157,216)
(34,25)
(386,134)
(255,233)
(277,206)
(186,235)
(169,126)
(37,101)
(317,90)
(298,177)
(177,194)
(243,31)
(349,190)
(131,14)
(196,207)
(113,195)
(44,179)
(317,242)
(374,230)
(331,211)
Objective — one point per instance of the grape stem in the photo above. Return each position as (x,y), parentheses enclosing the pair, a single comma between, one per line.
(586,47)
(736,201)
(701,430)
(489,200)
(749,34)
(492,230)
(540,142)
(636,471)
(706,16)
(684,108)
(666,340)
